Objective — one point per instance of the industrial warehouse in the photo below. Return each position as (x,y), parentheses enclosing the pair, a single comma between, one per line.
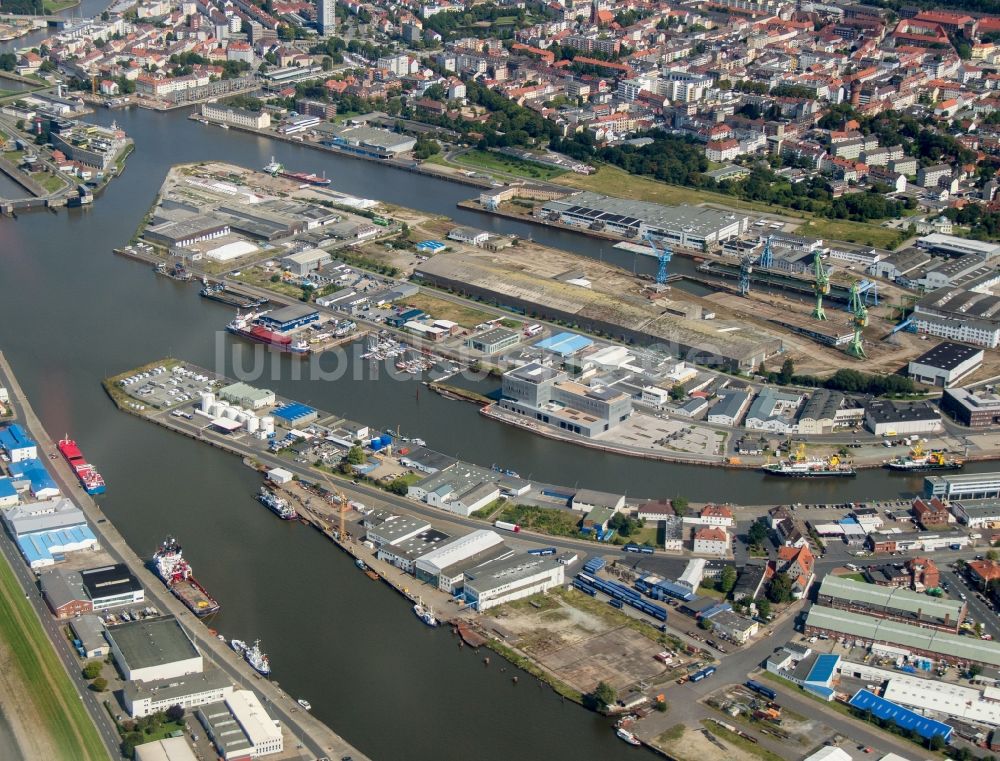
(690,226)
(600,300)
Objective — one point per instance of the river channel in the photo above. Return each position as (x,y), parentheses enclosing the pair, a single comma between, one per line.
(71,312)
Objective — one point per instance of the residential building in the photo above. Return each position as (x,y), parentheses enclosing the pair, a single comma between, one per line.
(655,511)
(798,563)
(945,364)
(711,540)
(713,515)
(982,572)
(932,514)
(238,117)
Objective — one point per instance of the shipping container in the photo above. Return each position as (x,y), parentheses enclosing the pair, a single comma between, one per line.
(615,603)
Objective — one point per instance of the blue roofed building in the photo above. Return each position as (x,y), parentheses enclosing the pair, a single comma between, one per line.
(904,718)
(295,413)
(565,344)
(31,475)
(820,678)
(8,494)
(16,443)
(45,530)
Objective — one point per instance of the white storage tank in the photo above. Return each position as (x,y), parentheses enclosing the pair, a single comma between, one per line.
(230,412)
(267,425)
(217,408)
(207,400)
(253,424)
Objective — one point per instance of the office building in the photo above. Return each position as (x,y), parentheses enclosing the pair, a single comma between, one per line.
(188,691)
(884,418)
(963,486)
(111,586)
(975,408)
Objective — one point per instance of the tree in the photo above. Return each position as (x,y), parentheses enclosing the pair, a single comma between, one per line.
(763,607)
(399,486)
(680,505)
(99,685)
(780,589)
(705,624)
(992,555)
(129,742)
(355,455)
(605,694)
(727,579)
(92,670)
(175,713)
(677,392)
(757,534)
(935,743)
(787,371)
(974,671)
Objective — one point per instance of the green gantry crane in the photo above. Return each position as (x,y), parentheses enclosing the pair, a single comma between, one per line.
(821,286)
(859,319)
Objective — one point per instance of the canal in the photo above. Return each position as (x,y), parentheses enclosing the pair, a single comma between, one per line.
(71,312)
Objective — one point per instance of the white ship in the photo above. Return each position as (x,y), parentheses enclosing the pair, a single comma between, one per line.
(276,504)
(257,659)
(425,614)
(239,646)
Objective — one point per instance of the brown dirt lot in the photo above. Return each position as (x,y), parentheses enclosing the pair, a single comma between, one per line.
(579,647)
(693,745)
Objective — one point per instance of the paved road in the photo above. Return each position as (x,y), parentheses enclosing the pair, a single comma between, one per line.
(979,611)
(317,739)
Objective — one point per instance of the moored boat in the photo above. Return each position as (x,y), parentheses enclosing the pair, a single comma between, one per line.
(249,326)
(627,736)
(176,573)
(276,504)
(919,461)
(90,479)
(425,614)
(257,659)
(800,466)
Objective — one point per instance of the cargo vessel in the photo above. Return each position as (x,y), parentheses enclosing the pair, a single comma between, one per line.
(919,461)
(276,504)
(425,614)
(276,169)
(91,481)
(249,326)
(175,572)
(224,295)
(800,466)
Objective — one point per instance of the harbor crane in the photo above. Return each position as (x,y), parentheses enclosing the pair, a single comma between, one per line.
(766,256)
(343,507)
(663,255)
(859,319)
(822,285)
(746,269)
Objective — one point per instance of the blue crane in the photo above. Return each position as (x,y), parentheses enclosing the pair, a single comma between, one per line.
(766,257)
(664,256)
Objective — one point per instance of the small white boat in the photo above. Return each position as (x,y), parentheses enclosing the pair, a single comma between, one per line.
(304,703)
(627,736)
(238,645)
(424,614)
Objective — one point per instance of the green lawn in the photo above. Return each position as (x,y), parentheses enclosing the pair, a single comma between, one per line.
(59,712)
(54,6)
(853,232)
(489,161)
(542,519)
(50,182)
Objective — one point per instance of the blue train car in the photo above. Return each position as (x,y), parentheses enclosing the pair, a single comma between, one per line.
(543,551)
(761,689)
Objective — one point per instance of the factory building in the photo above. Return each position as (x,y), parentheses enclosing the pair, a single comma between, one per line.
(730,408)
(188,691)
(884,418)
(247,396)
(91,633)
(240,728)
(16,443)
(45,531)
(945,364)
(977,513)
(975,408)
(820,412)
(167,749)
(549,397)
(32,476)
(689,226)
(887,710)
(894,603)
(8,493)
(960,315)
(901,638)
(963,486)
(493,341)
(372,142)
(502,581)
(154,649)
(111,586)
(304,262)
(443,567)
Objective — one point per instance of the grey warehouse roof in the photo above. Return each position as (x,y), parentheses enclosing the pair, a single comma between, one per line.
(152,643)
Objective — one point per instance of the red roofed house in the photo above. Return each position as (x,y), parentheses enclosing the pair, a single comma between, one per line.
(982,572)
(798,563)
(711,540)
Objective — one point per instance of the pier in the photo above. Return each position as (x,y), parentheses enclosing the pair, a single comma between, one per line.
(319,739)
